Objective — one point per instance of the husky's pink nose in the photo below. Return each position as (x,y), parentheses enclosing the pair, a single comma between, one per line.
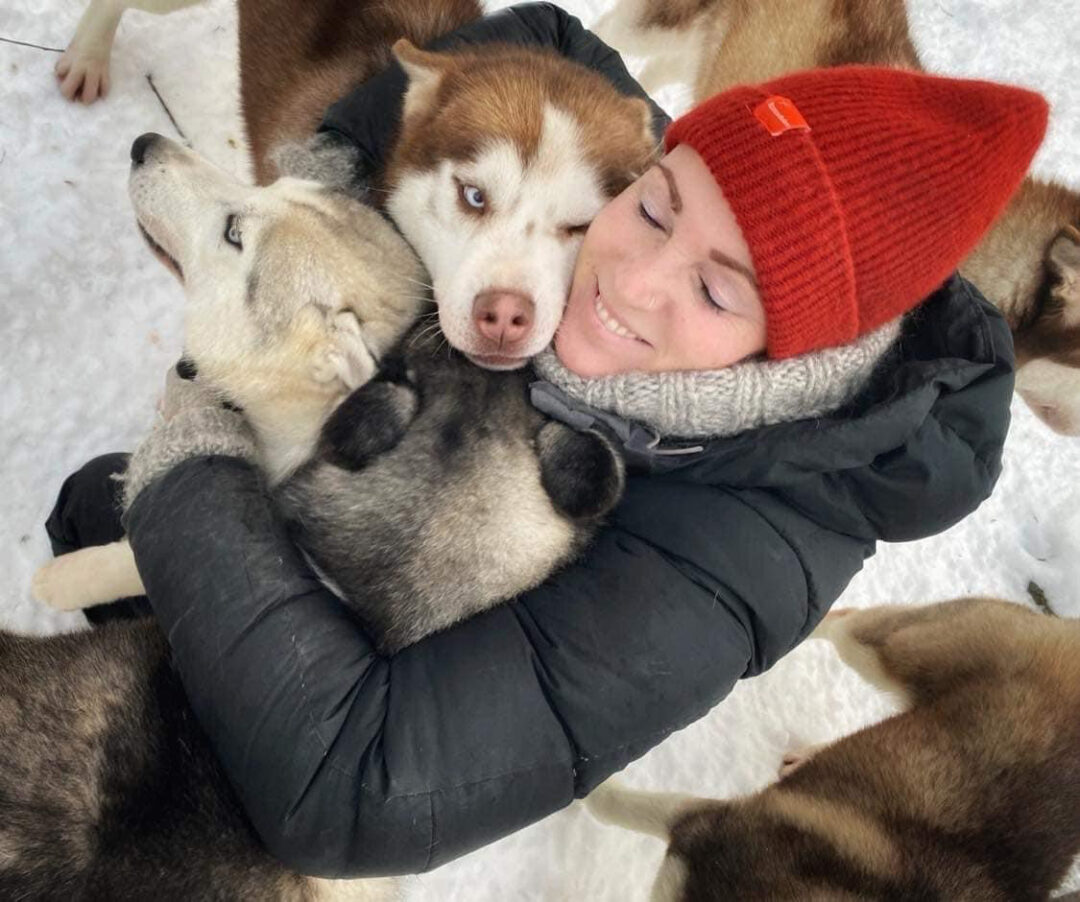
(503,317)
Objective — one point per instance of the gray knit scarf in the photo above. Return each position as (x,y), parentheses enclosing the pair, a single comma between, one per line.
(714,403)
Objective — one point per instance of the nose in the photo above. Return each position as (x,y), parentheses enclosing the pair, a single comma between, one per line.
(141,146)
(503,317)
(645,282)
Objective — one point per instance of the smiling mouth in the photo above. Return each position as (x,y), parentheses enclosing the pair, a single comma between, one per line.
(609,322)
(167,259)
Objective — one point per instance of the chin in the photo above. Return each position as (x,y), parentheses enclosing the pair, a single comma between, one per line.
(582,361)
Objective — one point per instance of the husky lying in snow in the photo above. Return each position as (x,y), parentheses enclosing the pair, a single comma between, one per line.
(504,154)
(425,499)
(95,734)
(970,795)
(1029,262)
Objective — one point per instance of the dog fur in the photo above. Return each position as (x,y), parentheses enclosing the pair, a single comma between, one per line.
(286,326)
(504,155)
(436,472)
(970,793)
(478,499)
(1027,262)
(432,492)
(109,789)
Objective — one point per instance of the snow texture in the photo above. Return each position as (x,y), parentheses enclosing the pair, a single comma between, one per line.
(93,321)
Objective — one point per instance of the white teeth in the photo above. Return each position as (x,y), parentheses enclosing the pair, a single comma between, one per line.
(612,324)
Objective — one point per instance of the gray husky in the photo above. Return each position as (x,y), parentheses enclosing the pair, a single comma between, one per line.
(403,467)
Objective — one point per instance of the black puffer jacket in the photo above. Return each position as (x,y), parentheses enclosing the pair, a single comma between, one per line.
(351,764)
(712,567)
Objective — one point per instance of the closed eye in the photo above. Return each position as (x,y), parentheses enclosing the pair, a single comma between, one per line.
(712,301)
(648,217)
(232,231)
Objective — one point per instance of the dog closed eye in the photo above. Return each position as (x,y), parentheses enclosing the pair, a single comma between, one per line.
(232,231)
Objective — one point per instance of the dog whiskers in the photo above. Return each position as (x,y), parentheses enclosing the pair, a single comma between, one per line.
(424,333)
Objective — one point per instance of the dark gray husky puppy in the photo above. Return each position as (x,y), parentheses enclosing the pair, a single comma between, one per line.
(477,499)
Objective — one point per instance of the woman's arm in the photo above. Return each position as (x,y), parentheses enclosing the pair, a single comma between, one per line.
(352,764)
(368,117)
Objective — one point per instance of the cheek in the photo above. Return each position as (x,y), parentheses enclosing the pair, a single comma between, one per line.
(712,341)
(609,230)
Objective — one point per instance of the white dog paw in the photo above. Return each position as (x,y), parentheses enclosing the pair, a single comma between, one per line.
(83,73)
(83,69)
(59,584)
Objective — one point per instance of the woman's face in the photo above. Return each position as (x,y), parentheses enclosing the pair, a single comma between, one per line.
(664,280)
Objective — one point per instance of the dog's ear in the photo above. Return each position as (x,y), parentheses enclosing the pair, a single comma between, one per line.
(1064,254)
(644,111)
(345,357)
(1063,258)
(425,71)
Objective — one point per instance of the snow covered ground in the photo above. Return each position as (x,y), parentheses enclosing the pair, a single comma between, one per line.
(91,321)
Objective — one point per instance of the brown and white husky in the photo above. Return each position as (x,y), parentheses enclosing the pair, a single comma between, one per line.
(970,795)
(503,156)
(1029,262)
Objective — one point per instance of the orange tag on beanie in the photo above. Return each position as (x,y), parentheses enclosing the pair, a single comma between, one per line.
(779,114)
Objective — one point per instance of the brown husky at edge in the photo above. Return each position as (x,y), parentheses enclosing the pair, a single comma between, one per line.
(1029,262)
(969,795)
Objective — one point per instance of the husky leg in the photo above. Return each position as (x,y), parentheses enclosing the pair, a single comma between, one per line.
(917,652)
(838,627)
(621,26)
(646,812)
(630,28)
(634,809)
(367,889)
(669,881)
(83,69)
(88,577)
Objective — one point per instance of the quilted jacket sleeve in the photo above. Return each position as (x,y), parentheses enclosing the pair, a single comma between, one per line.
(353,764)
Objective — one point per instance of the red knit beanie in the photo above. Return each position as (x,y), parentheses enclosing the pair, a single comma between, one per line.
(860,189)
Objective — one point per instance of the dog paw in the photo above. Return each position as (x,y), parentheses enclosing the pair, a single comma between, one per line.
(796,758)
(59,585)
(83,74)
(369,422)
(827,625)
(582,472)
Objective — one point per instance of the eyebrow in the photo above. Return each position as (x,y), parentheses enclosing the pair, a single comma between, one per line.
(731,263)
(673,189)
(714,255)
